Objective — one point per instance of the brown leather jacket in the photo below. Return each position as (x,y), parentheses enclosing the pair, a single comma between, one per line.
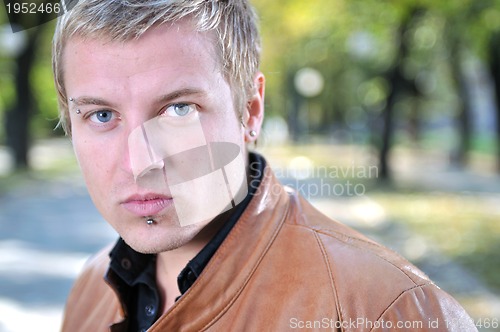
(284,267)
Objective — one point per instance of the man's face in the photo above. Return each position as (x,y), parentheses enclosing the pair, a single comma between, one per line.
(150,118)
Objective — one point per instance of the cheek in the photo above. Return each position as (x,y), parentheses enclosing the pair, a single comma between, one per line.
(93,162)
(224,127)
(78,148)
(84,157)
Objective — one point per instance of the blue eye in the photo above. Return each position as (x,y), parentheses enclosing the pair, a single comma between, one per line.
(101,116)
(180,109)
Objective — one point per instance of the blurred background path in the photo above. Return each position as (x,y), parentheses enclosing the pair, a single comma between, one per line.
(49,227)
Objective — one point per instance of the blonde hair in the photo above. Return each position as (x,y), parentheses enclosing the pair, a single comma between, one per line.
(233,21)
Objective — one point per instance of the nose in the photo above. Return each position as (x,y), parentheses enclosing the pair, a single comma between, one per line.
(143,156)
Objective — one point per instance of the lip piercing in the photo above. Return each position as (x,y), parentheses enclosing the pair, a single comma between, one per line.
(150,221)
(253,133)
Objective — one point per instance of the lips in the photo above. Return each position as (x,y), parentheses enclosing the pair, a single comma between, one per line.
(147,205)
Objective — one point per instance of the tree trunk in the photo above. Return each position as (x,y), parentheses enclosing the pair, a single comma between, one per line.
(18,117)
(398,83)
(414,121)
(465,107)
(494,60)
(388,124)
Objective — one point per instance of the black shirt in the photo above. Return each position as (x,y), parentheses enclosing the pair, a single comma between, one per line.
(133,274)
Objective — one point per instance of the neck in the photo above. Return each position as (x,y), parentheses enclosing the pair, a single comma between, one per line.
(170,263)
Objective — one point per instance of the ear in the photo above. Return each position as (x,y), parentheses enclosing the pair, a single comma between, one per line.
(255,110)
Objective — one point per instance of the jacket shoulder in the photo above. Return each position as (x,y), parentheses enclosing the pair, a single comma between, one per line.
(370,282)
(350,250)
(92,305)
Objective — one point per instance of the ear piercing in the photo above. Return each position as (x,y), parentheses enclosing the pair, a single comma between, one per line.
(150,221)
(253,133)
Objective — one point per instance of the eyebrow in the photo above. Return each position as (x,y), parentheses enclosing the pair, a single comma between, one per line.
(179,94)
(86,100)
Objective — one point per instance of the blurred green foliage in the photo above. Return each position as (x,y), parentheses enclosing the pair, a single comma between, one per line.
(353,44)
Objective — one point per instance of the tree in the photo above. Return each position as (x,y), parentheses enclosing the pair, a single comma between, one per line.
(494,64)
(399,85)
(19,114)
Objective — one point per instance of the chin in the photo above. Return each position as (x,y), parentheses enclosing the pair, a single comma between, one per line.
(155,239)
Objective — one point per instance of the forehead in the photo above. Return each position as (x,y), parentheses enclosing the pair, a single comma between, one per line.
(172,51)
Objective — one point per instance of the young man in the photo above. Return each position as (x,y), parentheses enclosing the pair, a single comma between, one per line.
(160,98)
